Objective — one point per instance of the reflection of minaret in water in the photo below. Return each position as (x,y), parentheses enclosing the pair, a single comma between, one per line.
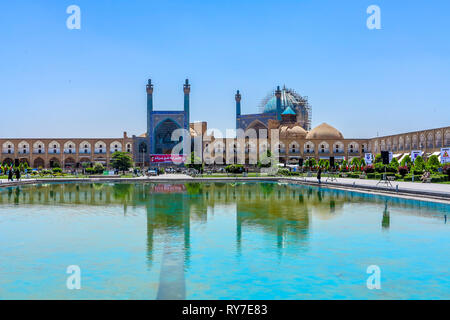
(238,232)
(386,217)
(169,213)
(270,211)
(150,233)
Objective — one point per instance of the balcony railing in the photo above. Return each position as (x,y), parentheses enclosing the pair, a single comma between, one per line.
(309,151)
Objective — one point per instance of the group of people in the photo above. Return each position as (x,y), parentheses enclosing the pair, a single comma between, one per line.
(12,173)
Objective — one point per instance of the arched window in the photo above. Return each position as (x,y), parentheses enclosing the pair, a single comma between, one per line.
(85,147)
(400,143)
(414,142)
(115,146)
(430,141)
(324,147)
(353,147)
(339,147)
(69,147)
(8,147)
(281,147)
(438,139)
(308,147)
(100,147)
(24,147)
(294,147)
(447,138)
(38,147)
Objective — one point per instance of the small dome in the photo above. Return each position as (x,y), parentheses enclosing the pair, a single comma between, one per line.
(286,131)
(324,131)
(297,130)
(289,111)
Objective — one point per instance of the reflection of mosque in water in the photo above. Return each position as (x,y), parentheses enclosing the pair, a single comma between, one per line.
(281,210)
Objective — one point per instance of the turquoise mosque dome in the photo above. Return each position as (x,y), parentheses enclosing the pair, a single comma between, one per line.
(289,110)
(297,104)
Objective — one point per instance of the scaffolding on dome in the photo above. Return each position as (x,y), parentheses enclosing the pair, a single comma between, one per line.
(289,98)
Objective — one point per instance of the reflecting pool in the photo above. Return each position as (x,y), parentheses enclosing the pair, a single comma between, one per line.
(219,241)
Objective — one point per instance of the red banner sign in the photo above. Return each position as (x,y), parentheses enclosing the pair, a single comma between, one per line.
(168,188)
(167,158)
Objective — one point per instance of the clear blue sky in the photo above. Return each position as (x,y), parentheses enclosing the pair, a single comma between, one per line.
(57,82)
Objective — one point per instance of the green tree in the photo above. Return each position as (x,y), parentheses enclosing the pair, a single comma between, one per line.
(194,162)
(394,165)
(355,162)
(324,163)
(406,161)
(98,167)
(56,165)
(378,159)
(310,163)
(266,160)
(121,161)
(419,164)
(85,165)
(433,163)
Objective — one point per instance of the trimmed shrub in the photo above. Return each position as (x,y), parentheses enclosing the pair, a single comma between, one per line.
(403,170)
(284,172)
(90,170)
(438,178)
(234,168)
(371,175)
(409,177)
(369,169)
(446,170)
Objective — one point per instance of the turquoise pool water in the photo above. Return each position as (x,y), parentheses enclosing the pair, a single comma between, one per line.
(219,241)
